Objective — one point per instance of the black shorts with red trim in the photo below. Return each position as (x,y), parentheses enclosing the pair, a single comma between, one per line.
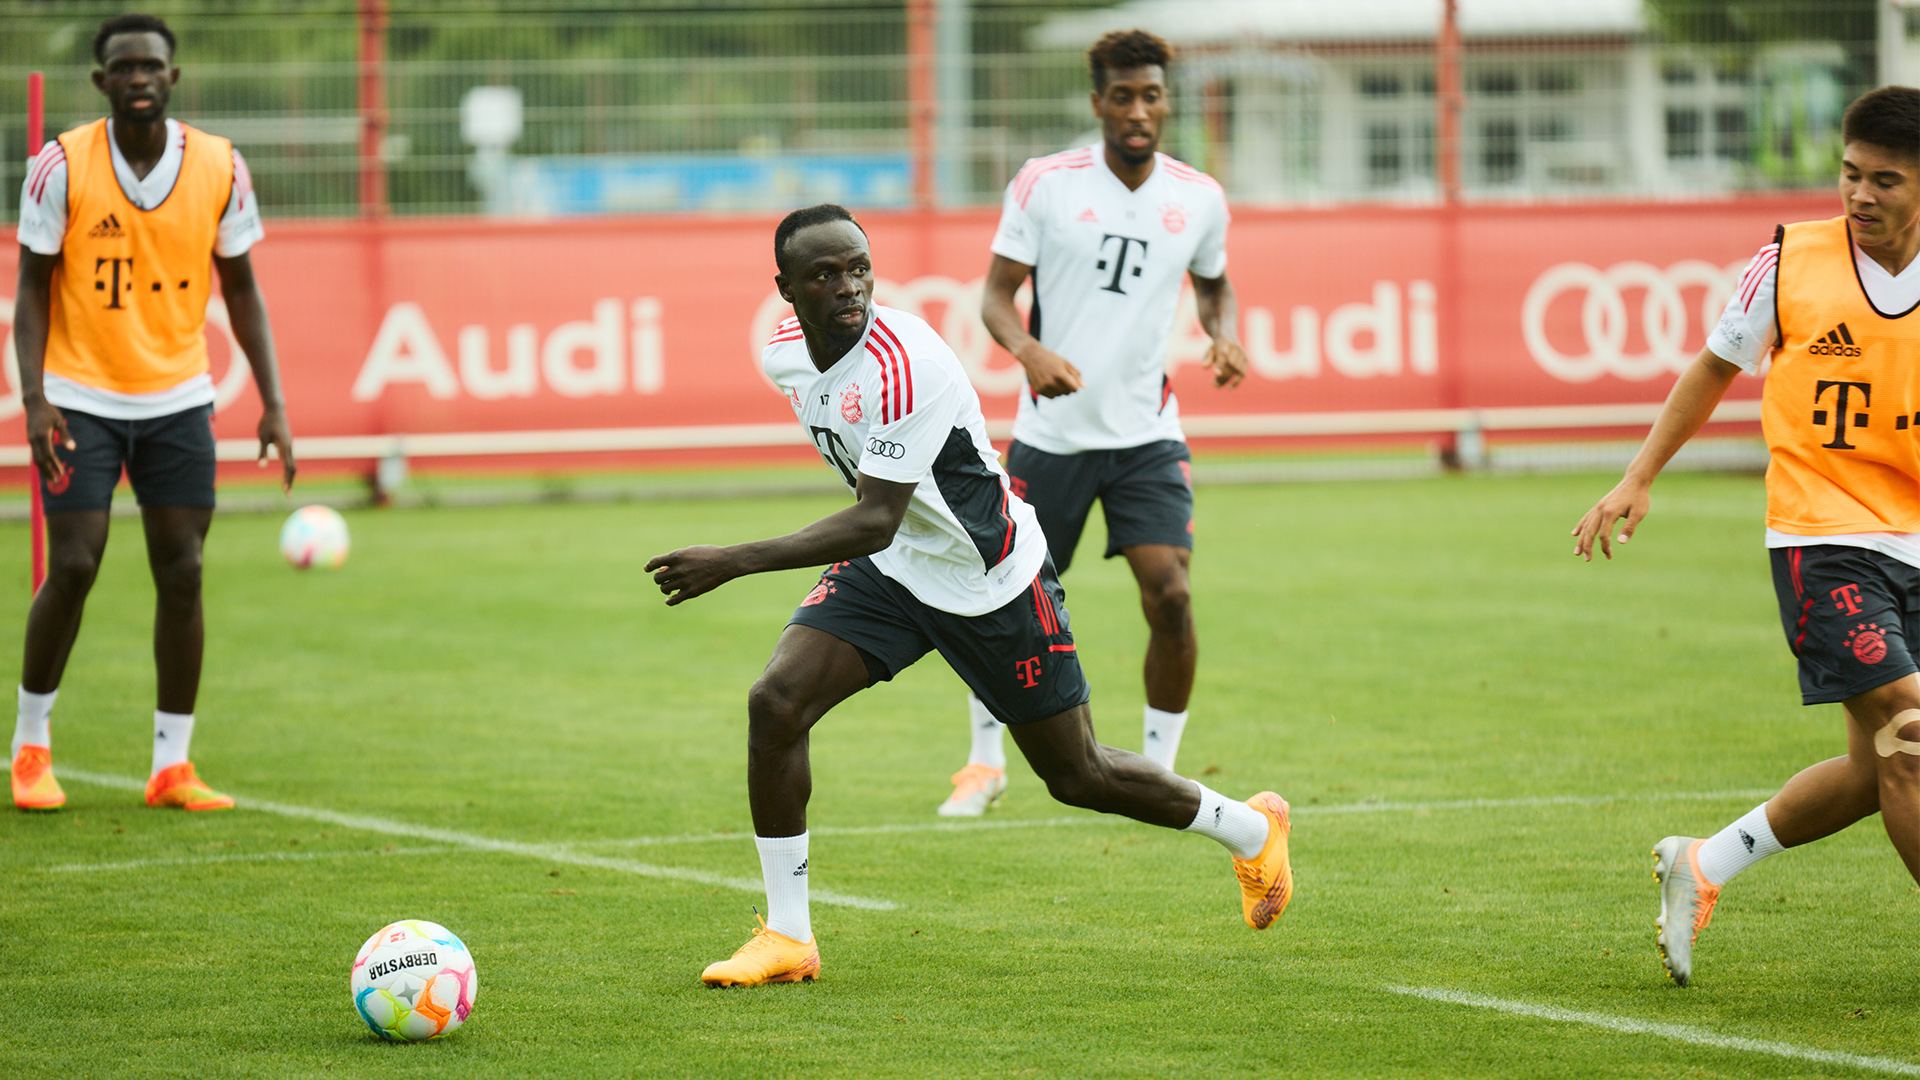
(1850,614)
(1019,659)
(1146,493)
(168,460)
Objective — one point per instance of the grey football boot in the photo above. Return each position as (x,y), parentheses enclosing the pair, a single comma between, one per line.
(1686,903)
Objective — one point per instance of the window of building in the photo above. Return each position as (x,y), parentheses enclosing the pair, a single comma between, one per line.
(1730,138)
(1496,82)
(1423,82)
(1500,150)
(1550,129)
(1683,133)
(1675,73)
(1385,156)
(1556,80)
(1381,84)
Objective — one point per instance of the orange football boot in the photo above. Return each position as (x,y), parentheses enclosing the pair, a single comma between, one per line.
(34,787)
(768,957)
(176,785)
(1266,880)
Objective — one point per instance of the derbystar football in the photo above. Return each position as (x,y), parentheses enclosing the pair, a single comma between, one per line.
(315,536)
(414,980)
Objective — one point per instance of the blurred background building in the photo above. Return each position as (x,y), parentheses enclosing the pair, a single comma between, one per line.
(558,107)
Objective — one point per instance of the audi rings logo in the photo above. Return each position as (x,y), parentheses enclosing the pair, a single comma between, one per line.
(885,449)
(1665,331)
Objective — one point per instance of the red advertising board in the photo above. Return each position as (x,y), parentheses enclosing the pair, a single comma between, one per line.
(421,327)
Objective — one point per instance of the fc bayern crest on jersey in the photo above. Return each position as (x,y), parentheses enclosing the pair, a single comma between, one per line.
(850,403)
(1174,217)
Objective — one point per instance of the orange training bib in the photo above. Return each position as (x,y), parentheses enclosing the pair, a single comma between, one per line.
(130,294)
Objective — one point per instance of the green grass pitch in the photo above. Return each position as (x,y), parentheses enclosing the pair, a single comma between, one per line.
(1482,738)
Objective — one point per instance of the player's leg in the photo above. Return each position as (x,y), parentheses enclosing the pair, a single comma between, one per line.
(1148,502)
(1846,613)
(1021,660)
(1060,488)
(846,635)
(77,526)
(170,464)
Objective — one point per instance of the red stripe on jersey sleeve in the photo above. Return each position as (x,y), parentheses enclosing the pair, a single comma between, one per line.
(51,155)
(906,367)
(886,378)
(1756,274)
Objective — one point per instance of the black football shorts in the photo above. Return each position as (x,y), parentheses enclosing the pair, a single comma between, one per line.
(1146,493)
(1851,615)
(168,460)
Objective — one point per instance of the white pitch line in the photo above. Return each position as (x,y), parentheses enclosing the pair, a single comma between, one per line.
(1299,810)
(547,852)
(1677,1032)
(263,856)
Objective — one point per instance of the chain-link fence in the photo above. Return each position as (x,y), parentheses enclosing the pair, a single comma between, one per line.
(525,107)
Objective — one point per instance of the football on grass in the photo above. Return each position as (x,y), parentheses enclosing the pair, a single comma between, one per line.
(414,980)
(315,536)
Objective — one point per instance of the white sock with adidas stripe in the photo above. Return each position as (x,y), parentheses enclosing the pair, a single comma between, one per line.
(783,866)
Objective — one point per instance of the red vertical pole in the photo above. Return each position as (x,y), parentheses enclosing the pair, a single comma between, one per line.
(36,135)
(1447,97)
(373,107)
(1446,160)
(921,106)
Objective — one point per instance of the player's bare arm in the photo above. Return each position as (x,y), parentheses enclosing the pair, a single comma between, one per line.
(1687,410)
(861,529)
(247,310)
(1219,313)
(1048,373)
(33,304)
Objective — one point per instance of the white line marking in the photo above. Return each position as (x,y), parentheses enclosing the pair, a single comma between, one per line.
(1677,1032)
(263,856)
(548,852)
(1299,810)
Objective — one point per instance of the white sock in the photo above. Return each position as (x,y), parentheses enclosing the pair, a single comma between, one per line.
(1738,846)
(1160,735)
(172,732)
(783,866)
(1240,828)
(989,747)
(32,725)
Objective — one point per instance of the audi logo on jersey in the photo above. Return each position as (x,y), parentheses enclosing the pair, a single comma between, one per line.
(885,449)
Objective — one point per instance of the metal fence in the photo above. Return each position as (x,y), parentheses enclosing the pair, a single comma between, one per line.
(729,105)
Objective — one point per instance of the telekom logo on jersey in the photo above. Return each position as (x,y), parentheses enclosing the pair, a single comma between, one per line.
(1392,333)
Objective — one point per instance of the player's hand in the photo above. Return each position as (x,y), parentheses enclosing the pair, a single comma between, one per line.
(1049,373)
(274,432)
(46,430)
(690,572)
(1629,500)
(1228,362)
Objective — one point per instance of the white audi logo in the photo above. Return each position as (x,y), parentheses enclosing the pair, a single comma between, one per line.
(1604,319)
(886,449)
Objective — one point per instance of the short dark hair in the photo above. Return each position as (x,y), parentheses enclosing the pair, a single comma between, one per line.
(131,24)
(1125,49)
(803,218)
(1888,118)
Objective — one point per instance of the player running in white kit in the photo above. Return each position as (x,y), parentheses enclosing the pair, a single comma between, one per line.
(1107,233)
(935,553)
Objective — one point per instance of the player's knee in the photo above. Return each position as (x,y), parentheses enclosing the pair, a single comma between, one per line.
(773,709)
(1169,605)
(72,566)
(176,578)
(1084,785)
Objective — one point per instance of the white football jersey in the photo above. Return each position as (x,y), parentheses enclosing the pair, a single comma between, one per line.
(898,407)
(1107,266)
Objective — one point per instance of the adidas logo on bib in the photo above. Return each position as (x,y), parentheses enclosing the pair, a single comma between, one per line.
(109,227)
(1836,342)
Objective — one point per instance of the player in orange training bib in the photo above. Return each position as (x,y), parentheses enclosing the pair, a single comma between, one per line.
(123,224)
(1834,303)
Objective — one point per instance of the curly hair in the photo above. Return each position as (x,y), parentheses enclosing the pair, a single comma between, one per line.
(1888,118)
(1125,49)
(131,24)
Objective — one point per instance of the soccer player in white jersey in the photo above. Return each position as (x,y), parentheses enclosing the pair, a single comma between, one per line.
(1833,304)
(1107,233)
(123,222)
(936,552)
